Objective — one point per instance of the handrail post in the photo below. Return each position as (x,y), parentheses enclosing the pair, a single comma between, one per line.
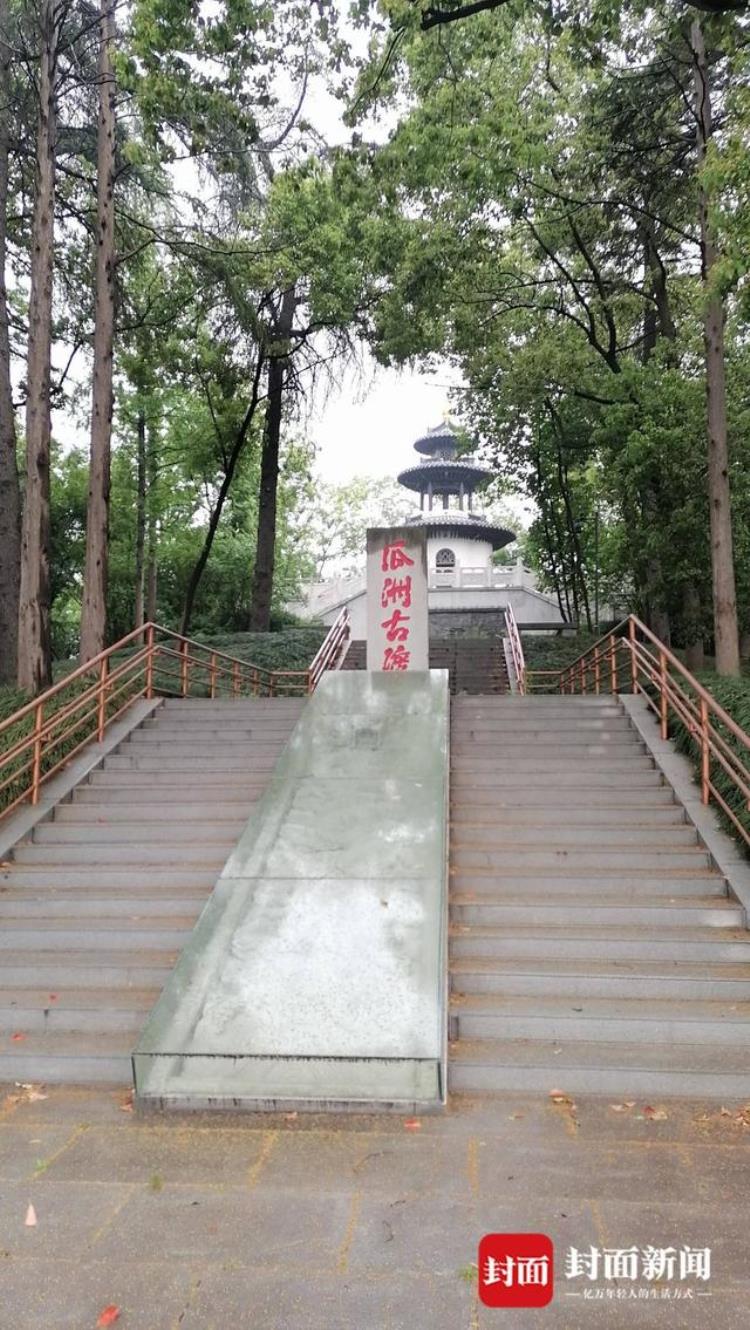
(101,710)
(150,662)
(36,771)
(597,672)
(705,753)
(236,679)
(613,662)
(272,685)
(212,675)
(633,659)
(663,700)
(184,667)
(254,683)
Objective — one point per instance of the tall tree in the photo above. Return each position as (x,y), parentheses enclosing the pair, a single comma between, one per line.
(10,496)
(94,606)
(726,632)
(278,368)
(34,656)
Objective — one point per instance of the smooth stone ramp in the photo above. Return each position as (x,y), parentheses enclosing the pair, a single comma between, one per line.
(316,975)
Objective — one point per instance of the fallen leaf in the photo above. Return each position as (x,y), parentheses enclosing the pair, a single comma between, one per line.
(127,1104)
(108,1316)
(516,1115)
(621,1108)
(412,1124)
(53,997)
(560,1097)
(17,1038)
(724,1112)
(655,1114)
(290,1117)
(30,1220)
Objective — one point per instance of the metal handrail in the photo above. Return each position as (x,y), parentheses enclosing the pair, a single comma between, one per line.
(331,654)
(159,661)
(631,658)
(44,734)
(516,648)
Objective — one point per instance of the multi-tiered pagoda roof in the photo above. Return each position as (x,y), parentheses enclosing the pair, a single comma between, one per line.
(444,476)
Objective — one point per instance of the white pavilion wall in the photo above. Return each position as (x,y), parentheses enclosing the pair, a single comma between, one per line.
(469,553)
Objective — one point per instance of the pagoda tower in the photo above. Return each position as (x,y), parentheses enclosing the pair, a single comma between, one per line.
(460,540)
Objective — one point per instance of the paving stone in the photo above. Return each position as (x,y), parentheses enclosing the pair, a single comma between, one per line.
(70,1216)
(344,1222)
(176,1154)
(61,1295)
(240,1225)
(27,1148)
(404,1302)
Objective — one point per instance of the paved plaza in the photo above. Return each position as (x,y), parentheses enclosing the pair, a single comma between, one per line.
(297,1222)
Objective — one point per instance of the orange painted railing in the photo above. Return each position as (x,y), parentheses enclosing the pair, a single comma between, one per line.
(43,736)
(333,650)
(632,659)
(516,648)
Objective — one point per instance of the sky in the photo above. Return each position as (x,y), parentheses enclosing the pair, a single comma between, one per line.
(367,425)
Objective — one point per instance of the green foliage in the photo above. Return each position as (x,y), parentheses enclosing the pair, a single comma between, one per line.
(734,696)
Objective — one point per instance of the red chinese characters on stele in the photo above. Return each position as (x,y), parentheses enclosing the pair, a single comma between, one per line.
(516,1270)
(395,589)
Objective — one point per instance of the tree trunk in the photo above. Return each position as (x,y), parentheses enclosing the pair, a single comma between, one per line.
(152,535)
(726,635)
(94,607)
(260,609)
(140,520)
(657,614)
(10,494)
(34,656)
(693,619)
(231,466)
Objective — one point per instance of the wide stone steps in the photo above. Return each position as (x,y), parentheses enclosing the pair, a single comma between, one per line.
(616,942)
(624,1069)
(90,1011)
(474,665)
(83,905)
(508,818)
(559,976)
(655,858)
(477,1016)
(113,809)
(511,833)
(78,1058)
(593,944)
(533,885)
(98,902)
(490,910)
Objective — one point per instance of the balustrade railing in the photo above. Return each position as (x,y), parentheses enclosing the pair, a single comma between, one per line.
(516,649)
(632,659)
(42,737)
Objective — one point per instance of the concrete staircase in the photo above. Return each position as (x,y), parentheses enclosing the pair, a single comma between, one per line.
(593,947)
(474,664)
(96,905)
